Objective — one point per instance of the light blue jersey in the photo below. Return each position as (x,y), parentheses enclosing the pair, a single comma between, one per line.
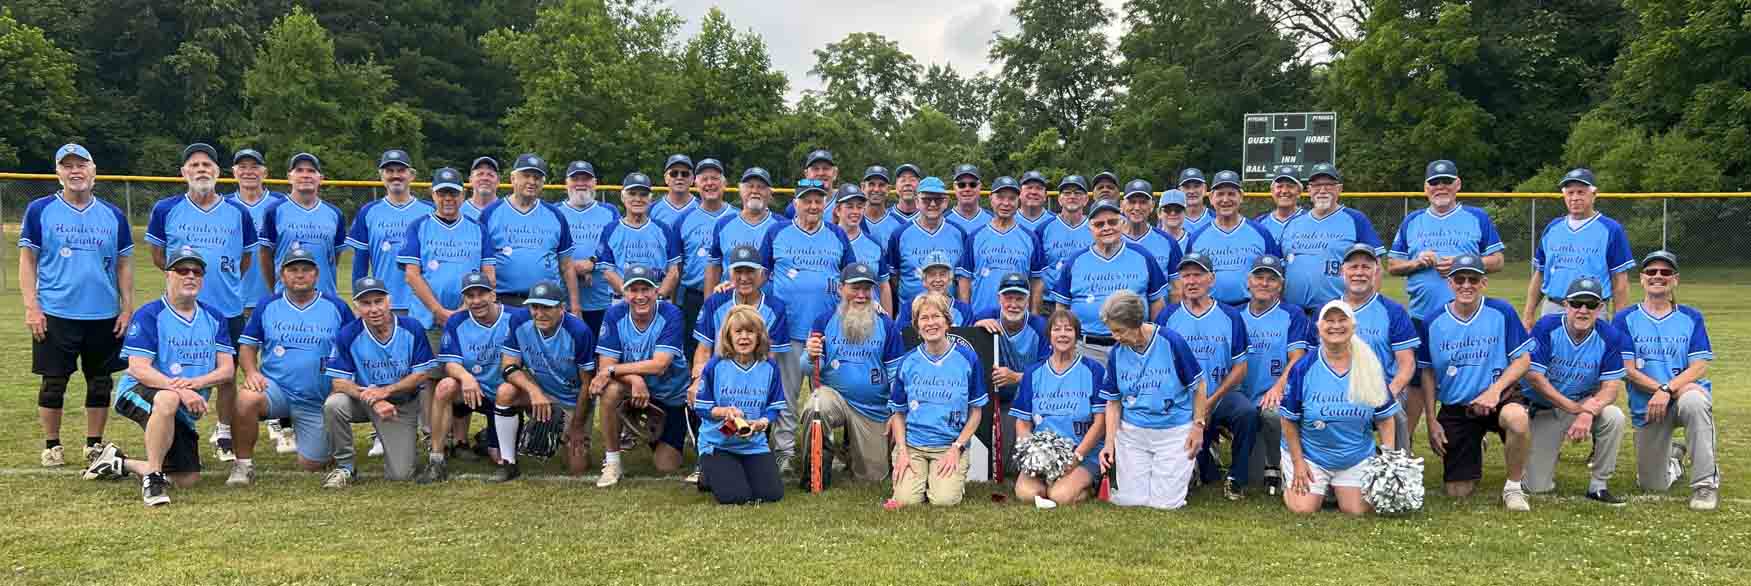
(913,244)
(668,214)
(179,347)
(76,254)
(254,287)
(804,268)
(1031,343)
(1217,337)
(1063,403)
(557,361)
(866,249)
(960,313)
(378,233)
(1275,226)
(736,231)
(1314,249)
(1664,346)
(625,342)
(1336,433)
(586,231)
(1231,253)
(444,251)
(1576,369)
(966,224)
(1059,242)
(294,341)
(697,228)
(369,362)
(223,234)
(652,245)
(1271,336)
(757,390)
(717,308)
(477,346)
(1166,251)
(1154,386)
(861,371)
(1088,278)
(993,253)
(321,229)
(883,231)
(1468,354)
(471,211)
(1597,249)
(936,393)
(1191,225)
(1462,230)
(1387,328)
(1034,224)
(529,245)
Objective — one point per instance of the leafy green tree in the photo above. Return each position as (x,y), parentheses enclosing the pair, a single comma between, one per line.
(868,75)
(38,100)
(1057,70)
(964,99)
(733,96)
(936,143)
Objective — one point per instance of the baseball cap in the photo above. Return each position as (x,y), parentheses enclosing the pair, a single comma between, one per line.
(809,187)
(1103,206)
(1580,174)
(848,192)
(239,156)
(1196,258)
(297,255)
(200,147)
(745,256)
(72,150)
(1286,172)
(1226,178)
(1034,176)
(1336,305)
(186,254)
(637,274)
(966,169)
(1361,248)
(1013,282)
(446,178)
(818,155)
(488,161)
(577,167)
(936,259)
(678,159)
(1665,256)
(1076,180)
(1139,187)
(544,293)
(1326,169)
(1107,175)
(932,186)
(394,157)
(1005,182)
(300,157)
(1267,262)
(1173,197)
(756,173)
(635,180)
(708,163)
(877,171)
(367,285)
(1191,174)
(475,281)
(1440,168)
(530,162)
(856,273)
(905,168)
(1585,287)
(1466,263)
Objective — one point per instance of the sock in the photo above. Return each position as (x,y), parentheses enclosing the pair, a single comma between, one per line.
(1595,485)
(611,458)
(51,443)
(222,430)
(246,462)
(92,441)
(436,457)
(506,426)
(1510,486)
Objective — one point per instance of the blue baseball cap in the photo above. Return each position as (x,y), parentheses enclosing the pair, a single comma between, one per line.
(1005,182)
(368,285)
(848,192)
(1103,206)
(239,156)
(635,180)
(530,162)
(1585,287)
(677,159)
(746,256)
(545,293)
(640,274)
(936,258)
(817,156)
(304,158)
(488,161)
(1107,175)
(932,186)
(580,167)
(1438,169)
(810,187)
(186,254)
(1190,174)
(1076,180)
(1034,176)
(1286,172)
(905,168)
(200,147)
(395,157)
(1267,262)
(1361,248)
(475,280)
(1326,169)
(1665,256)
(1139,187)
(756,173)
(1173,197)
(1014,283)
(72,150)
(1466,263)
(856,273)
(446,178)
(1578,174)
(1226,178)
(708,163)
(877,171)
(298,255)
(966,169)
(1196,258)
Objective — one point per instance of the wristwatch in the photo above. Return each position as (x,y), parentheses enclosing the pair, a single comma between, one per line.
(610,370)
(1665,389)
(959,445)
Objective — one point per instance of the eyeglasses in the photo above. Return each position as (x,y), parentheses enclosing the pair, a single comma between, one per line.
(1467,279)
(1098,224)
(938,200)
(1322,185)
(1588,304)
(1441,181)
(188,271)
(966,184)
(679,174)
(1659,272)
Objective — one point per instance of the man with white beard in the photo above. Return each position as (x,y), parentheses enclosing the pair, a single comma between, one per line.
(858,347)
(747,228)
(586,218)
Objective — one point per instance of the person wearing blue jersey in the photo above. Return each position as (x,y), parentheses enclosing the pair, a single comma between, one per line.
(1062,395)
(224,233)
(177,349)
(1066,234)
(1277,337)
(748,278)
(866,246)
(938,276)
(1033,212)
(1584,243)
(1577,373)
(303,221)
(76,280)
(380,228)
(929,233)
(678,198)
(586,217)
(1389,331)
(1156,408)
(882,222)
(804,259)
(532,238)
(747,228)
(248,168)
(1231,241)
(1192,183)
(281,354)
(906,179)
(1669,386)
(740,395)
(376,369)
(1315,243)
(1333,403)
(1429,239)
(696,228)
(437,251)
(1473,355)
(1021,329)
(1217,336)
(857,348)
(472,372)
(818,165)
(936,403)
(1105,187)
(1138,202)
(547,361)
(1172,214)
(638,239)
(1285,202)
(483,186)
(967,213)
(1001,247)
(641,367)
(1090,277)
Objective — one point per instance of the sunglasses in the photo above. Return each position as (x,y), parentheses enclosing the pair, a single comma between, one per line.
(1466,279)
(1659,272)
(1441,181)
(1105,223)
(934,200)
(1584,303)
(679,174)
(966,184)
(187,271)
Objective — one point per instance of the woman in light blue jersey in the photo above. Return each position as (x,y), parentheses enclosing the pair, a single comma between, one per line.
(740,395)
(937,400)
(1061,395)
(1331,409)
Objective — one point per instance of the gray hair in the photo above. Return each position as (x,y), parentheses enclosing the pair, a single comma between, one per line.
(1123,309)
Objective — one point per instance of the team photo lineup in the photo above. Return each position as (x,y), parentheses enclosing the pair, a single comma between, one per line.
(1074,339)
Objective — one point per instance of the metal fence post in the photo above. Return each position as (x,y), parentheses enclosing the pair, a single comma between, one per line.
(1664,216)
(1532,230)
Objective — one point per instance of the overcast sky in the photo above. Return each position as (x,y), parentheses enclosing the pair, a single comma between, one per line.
(933,31)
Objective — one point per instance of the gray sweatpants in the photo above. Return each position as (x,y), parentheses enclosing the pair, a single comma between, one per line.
(399,435)
(1694,411)
(1270,440)
(1548,428)
(790,369)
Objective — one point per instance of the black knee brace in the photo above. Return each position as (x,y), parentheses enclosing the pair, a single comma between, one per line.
(97,390)
(460,410)
(53,392)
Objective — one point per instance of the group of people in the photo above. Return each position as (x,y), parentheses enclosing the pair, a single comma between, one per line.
(1143,327)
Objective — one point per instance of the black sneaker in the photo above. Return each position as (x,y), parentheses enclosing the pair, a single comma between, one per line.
(1603,496)
(435,471)
(508,471)
(155,490)
(1273,481)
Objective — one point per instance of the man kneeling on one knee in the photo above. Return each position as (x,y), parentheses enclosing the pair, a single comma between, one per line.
(546,363)
(1577,372)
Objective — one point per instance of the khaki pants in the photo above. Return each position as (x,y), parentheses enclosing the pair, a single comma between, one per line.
(923,482)
(862,442)
(1694,411)
(1548,427)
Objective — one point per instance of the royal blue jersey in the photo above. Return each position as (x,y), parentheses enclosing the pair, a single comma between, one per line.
(1314,249)
(1088,278)
(294,341)
(1664,347)
(1271,336)
(76,254)
(223,234)
(993,253)
(1060,241)
(558,360)
(1387,328)
(254,287)
(369,362)
(757,390)
(1232,252)
(1469,354)
(179,347)
(1598,249)
(936,392)
(1217,337)
(862,372)
(444,251)
(1034,224)
(586,231)
(716,310)
(1063,403)
(883,230)
(668,214)
(1166,251)
(625,342)
(913,244)
(529,245)
(477,346)
(652,245)
(966,224)
(1031,343)
(321,229)
(1576,369)
(804,268)
(1462,230)
(1336,433)
(1275,226)
(736,231)
(1154,386)
(697,228)
(378,233)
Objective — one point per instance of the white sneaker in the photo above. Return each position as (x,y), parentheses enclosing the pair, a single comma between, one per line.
(1515,500)
(1704,498)
(610,475)
(692,477)
(274,429)
(288,442)
(225,453)
(91,453)
(55,457)
(241,475)
(376,446)
(784,465)
(107,464)
(337,478)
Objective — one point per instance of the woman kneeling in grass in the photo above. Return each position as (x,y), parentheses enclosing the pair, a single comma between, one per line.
(1334,403)
(740,382)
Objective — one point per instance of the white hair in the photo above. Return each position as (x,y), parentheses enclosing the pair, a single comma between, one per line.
(1367,376)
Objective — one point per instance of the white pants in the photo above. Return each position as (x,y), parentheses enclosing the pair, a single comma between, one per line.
(1154,469)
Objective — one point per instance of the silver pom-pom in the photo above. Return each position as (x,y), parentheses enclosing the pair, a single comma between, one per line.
(1046,455)
(1392,482)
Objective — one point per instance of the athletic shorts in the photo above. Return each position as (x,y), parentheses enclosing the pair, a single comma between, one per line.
(1465,435)
(135,403)
(306,422)
(1322,478)
(70,344)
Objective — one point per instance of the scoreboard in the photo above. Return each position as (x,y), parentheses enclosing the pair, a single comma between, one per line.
(1301,139)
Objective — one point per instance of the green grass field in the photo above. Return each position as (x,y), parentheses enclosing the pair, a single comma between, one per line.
(286,530)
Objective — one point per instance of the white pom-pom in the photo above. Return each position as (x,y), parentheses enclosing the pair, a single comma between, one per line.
(1392,482)
(1046,455)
